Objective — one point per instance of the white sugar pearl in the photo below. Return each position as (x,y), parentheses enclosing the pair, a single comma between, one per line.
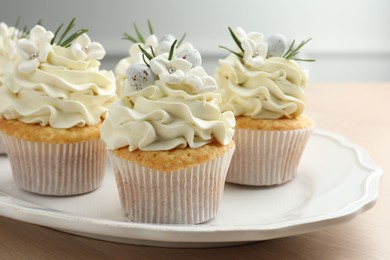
(192,56)
(140,76)
(277,45)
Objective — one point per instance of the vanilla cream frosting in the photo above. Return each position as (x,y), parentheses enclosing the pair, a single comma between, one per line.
(8,52)
(63,91)
(271,91)
(161,118)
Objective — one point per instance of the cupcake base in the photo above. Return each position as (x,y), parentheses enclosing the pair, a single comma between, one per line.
(57,162)
(268,157)
(56,169)
(188,195)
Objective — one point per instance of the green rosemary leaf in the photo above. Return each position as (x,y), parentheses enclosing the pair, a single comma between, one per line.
(235,39)
(150,27)
(145,52)
(126,36)
(151,49)
(293,51)
(69,41)
(140,37)
(307,60)
(68,28)
(289,49)
(56,33)
(39,22)
(236,53)
(143,57)
(17,22)
(181,39)
(172,50)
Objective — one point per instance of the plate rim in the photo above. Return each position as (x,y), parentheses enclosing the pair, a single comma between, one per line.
(253,232)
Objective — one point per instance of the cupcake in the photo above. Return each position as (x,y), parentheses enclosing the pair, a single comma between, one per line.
(149,43)
(8,52)
(264,87)
(52,104)
(169,143)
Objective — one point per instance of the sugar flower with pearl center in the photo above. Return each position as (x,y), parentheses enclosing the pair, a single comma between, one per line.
(82,48)
(35,49)
(179,72)
(254,48)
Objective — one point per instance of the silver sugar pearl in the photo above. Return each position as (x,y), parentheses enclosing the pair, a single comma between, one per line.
(33,55)
(84,48)
(171,70)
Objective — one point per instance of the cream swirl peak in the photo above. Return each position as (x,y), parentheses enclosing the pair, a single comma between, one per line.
(261,79)
(172,104)
(57,85)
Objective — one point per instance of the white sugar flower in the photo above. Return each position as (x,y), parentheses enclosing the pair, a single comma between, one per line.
(170,71)
(255,49)
(35,49)
(83,48)
(179,72)
(8,37)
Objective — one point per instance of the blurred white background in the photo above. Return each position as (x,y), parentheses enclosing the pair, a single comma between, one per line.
(351,39)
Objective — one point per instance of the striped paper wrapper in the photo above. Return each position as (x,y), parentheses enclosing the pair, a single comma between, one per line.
(185,196)
(264,158)
(56,169)
(2,146)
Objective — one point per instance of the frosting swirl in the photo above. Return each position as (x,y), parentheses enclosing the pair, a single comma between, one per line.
(161,118)
(63,91)
(273,90)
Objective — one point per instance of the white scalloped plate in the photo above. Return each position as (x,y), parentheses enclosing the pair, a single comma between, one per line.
(336,181)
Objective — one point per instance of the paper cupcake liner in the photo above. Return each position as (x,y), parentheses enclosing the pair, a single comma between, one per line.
(266,157)
(56,169)
(186,196)
(2,147)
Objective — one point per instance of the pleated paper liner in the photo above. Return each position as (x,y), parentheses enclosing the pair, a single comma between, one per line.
(56,169)
(2,147)
(269,157)
(185,196)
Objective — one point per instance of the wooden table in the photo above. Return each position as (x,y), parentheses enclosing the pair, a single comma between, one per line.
(358,111)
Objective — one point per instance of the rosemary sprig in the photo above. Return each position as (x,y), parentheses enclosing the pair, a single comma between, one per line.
(293,51)
(68,28)
(66,42)
(71,38)
(237,42)
(145,52)
(236,53)
(151,49)
(170,56)
(140,37)
(236,39)
(56,33)
(126,36)
(181,39)
(143,57)
(150,27)
(24,32)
